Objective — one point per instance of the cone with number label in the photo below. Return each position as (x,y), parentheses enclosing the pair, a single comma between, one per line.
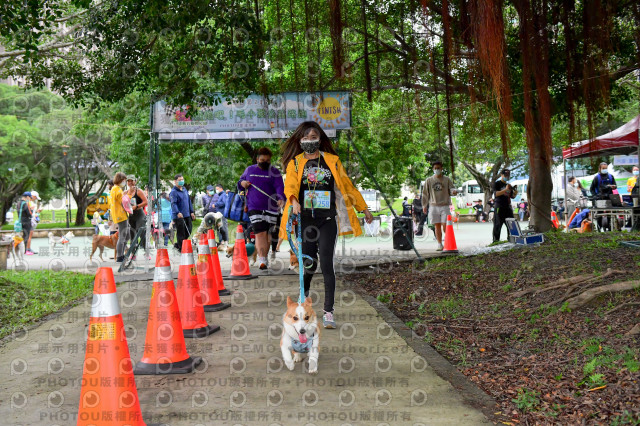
(450,245)
(194,323)
(165,351)
(108,395)
(240,265)
(215,262)
(208,285)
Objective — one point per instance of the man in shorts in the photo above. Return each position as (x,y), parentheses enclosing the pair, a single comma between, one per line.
(436,194)
(265,197)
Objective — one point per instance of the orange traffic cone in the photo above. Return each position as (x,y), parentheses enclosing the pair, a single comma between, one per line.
(240,265)
(165,351)
(204,271)
(449,239)
(554,220)
(108,395)
(215,262)
(194,323)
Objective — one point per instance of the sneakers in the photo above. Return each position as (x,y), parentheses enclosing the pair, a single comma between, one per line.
(273,255)
(29,253)
(440,247)
(263,263)
(328,321)
(120,259)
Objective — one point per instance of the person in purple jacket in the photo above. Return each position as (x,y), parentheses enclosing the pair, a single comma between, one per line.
(265,197)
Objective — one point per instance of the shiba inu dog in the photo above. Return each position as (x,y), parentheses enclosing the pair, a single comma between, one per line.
(300,335)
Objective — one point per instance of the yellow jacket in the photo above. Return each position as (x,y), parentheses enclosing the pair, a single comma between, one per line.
(347,196)
(117,214)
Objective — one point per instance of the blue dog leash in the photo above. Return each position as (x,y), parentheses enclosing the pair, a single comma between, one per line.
(294,219)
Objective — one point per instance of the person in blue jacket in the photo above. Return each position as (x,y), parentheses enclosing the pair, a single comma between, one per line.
(182,213)
(577,219)
(220,202)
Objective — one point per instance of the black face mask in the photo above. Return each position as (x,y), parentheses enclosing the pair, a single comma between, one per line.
(264,165)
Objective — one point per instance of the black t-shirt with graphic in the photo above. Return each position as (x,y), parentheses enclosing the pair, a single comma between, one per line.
(317,195)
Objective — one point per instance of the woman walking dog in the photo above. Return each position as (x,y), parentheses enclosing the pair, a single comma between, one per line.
(317,186)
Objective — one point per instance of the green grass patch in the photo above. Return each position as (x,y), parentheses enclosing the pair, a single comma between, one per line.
(451,307)
(26,297)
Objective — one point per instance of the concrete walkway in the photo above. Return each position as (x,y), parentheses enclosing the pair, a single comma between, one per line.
(367,372)
(351,252)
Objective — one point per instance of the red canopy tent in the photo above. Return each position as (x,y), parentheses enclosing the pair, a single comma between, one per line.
(621,141)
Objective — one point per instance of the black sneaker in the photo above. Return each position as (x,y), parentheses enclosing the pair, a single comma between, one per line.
(120,259)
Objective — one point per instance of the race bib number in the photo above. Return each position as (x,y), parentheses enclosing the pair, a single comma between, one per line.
(320,199)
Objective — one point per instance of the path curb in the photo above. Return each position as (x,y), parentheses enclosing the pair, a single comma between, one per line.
(471,394)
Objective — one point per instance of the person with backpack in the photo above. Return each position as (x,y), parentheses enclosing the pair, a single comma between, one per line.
(265,196)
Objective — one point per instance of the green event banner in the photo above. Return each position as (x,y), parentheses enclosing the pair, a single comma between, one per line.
(254,117)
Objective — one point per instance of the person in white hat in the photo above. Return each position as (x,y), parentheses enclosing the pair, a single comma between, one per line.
(35,218)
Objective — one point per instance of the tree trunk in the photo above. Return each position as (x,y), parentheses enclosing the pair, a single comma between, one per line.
(540,187)
(81,201)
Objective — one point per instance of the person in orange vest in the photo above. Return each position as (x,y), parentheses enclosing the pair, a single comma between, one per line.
(317,186)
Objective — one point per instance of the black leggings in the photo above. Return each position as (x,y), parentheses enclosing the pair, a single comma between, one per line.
(319,238)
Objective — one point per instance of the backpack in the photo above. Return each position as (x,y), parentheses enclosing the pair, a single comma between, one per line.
(234,207)
(17,226)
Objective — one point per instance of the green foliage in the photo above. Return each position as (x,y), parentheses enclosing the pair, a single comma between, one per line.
(451,307)
(527,400)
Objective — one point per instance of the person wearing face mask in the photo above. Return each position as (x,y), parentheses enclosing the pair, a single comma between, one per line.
(603,184)
(573,195)
(631,182)
(220,200)
(503,210)
(265,196)
(182,213)
(318,188)
(117,214)
(436,194)
(208,200)
(137,218)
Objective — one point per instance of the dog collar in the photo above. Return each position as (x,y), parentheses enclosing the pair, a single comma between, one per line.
(302,347)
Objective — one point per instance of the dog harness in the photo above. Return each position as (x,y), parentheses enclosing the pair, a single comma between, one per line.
(302,348)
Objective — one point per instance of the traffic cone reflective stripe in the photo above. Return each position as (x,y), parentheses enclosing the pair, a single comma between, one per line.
(108,395)
(449,239)
(240,265)
(204,271)
(215,262)
(554,220)
(165,351)
(194,323)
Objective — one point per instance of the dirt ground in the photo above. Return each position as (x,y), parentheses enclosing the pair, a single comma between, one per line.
(542,361)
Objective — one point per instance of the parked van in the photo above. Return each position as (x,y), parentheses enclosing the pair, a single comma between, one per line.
(469,192)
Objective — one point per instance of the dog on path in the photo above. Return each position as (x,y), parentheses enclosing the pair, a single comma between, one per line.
(102,241)
(64,241)
(300,335)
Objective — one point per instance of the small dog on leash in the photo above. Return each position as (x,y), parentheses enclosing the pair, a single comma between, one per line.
(300,335)
(63,241)
(102,241)
(16,248)
(254,256)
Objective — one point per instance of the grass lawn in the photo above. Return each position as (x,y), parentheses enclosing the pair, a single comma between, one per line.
(27,296)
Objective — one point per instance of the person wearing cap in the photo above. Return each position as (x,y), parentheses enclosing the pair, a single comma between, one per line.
(503,210)
(35,218)
(138,199)
(25,214)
